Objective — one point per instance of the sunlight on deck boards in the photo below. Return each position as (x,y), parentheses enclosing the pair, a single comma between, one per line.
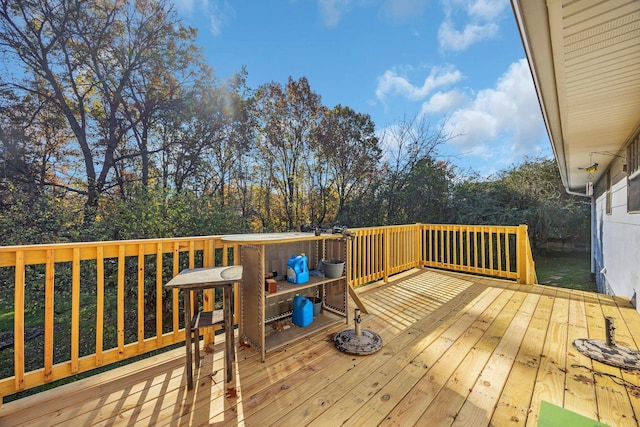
(458,350)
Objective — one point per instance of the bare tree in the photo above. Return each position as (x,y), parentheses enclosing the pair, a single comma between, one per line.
(407,145)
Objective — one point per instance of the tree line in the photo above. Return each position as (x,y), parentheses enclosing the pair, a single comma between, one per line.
(113,126)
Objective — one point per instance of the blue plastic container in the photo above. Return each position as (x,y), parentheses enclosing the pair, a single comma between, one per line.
(302,311)
(298,269)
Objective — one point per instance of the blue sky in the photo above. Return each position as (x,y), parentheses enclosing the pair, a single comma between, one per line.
(460,63)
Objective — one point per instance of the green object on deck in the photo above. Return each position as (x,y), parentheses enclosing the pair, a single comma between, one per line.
(555,416)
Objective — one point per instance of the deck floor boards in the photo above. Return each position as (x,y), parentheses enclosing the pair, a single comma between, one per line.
(513,404)
(580,393)
(459,350)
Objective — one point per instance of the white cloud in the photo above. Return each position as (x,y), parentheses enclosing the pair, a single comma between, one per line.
(332,11)
(218,12)
(468,22)
(487,9)
(184,6)
(450,38)
(503,123)
(221,12)
(391,83)
(400,10)
(474,129)
(442,102)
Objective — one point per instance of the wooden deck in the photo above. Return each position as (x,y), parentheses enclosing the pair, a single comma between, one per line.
(458,350)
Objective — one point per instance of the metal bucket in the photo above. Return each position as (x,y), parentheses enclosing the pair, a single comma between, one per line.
(333,268)
(317,305)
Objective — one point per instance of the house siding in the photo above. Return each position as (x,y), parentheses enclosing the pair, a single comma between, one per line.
(616,239)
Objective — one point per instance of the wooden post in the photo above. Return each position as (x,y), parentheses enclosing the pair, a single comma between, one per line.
(120,303)
(387,253)
(18,322)
(159,294)
(75,311)
(521,254)
(49,315)
(99,303)
(417,245)
(141,296)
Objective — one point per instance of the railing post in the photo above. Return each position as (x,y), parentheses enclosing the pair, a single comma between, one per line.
(18,321)
(386,250)
(417,246)
(532,277)
(521,254)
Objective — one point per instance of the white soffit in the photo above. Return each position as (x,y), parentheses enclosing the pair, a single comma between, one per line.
(585,58)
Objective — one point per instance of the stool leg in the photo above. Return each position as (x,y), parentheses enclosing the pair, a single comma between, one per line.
(228,330)
(196,341)
(187,338)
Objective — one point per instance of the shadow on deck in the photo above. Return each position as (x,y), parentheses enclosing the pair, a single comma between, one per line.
(458,350)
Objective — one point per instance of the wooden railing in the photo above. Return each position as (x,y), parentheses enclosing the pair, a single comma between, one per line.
(98,289)
(379,252)
(112,295)
(497,251)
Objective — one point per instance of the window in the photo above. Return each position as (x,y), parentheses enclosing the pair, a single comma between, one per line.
(633,176)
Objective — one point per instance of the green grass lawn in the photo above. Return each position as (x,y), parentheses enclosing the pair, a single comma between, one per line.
(570,270)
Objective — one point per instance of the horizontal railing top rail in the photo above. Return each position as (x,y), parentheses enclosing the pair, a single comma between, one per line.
(36,254)
(90,304)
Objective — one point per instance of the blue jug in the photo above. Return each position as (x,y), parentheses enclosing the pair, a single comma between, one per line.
(298,269)
(302,311)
